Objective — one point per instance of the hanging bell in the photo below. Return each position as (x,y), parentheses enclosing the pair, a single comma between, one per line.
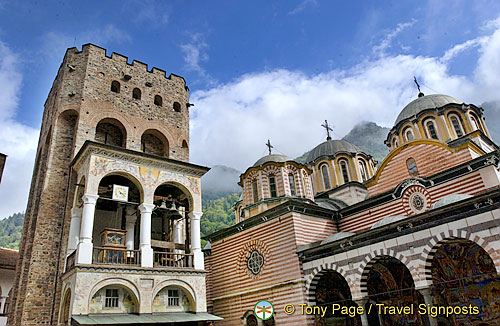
(173,213)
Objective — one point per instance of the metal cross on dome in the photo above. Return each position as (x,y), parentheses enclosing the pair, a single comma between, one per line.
(328,129)
(268,144)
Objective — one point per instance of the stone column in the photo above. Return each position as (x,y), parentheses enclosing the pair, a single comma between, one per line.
(426,293)
(130,219)
(177,234)
(145,236)
(364,317)
(85,246)
(196,240)
(74,229)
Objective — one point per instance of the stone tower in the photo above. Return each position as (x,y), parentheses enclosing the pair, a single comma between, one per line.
(113,148)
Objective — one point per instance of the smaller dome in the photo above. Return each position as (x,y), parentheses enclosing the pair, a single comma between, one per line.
(331,147)
(272,158)
(426,102)
(337,236)
(453,198)
(388,220)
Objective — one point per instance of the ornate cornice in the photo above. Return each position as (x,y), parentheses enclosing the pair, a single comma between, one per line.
(92,148)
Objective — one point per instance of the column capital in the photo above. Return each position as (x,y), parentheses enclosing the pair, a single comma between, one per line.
(89,199)
(195,215)
(146,208)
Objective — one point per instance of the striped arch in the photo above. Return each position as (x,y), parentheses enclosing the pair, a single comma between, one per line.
(313,279)
(372,258)
(437,241)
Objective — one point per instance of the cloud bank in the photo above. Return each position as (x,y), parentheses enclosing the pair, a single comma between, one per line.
(231,122)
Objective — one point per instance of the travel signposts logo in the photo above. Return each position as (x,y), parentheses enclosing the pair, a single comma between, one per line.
(263,310)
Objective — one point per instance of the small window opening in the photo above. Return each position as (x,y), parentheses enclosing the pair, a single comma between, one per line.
(432,130)
(291,180)
(326,177)
(363,170)
(344,169)
(412,166)
(272,186)
(158,100)
(173,298)
(456,126)
(115,86)
(255,191)
(111,300)
(136,94)
(177,107)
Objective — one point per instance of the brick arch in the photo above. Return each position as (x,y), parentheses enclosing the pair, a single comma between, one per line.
(437,241)
(101,114)
(313,279)
(117,281)
(173,141)
(373,257)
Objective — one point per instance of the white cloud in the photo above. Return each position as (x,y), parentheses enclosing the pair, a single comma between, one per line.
(195,53)
(387,41)
(303,5)
(16,140)
(231,122)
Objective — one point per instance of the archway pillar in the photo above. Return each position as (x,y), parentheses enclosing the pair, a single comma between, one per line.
(85,246)
(198,259)
(426,293)
(145,235)
(364,317)
(74,229)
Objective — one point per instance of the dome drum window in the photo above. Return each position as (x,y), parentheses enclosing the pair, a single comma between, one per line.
(291,180)
(457,126)
(344,168)
(431,129)
(326,177)
(474,122)
(363,170)
(272,186)
(255,191)
(408,134)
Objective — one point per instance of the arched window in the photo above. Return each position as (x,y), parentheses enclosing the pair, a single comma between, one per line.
(475,122)
(408,134)
(395,142)
(154,142)
(115,86)
(110,131)
(272,186)
(255,191)
(363,170)
(291,180)
(344,168)
(158,100)
(326,176)
(431,129)
(177,107)
(136,94)
(457,126)
(412,166)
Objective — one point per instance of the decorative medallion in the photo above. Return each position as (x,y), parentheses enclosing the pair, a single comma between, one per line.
(255,262)
(416,199)
(253,258)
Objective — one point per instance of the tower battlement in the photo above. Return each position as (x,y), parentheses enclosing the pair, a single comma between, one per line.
(137,65)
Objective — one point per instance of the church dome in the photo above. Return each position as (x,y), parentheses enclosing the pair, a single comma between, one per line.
(272,158)
(331,147)
(422,103)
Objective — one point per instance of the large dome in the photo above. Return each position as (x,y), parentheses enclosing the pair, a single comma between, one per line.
(331,147)
(272,158)
(424,103)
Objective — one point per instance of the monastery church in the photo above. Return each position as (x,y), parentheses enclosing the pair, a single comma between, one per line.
(112,228)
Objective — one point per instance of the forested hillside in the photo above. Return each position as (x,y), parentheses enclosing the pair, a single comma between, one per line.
(10,231)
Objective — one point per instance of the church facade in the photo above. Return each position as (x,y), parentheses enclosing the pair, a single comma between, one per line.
(112,227)
(421,230)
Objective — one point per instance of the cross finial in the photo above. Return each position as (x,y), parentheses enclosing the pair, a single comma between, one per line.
(268,144)
(420,94)
(328,129)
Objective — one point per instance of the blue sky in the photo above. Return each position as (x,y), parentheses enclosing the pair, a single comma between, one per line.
(256,69)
